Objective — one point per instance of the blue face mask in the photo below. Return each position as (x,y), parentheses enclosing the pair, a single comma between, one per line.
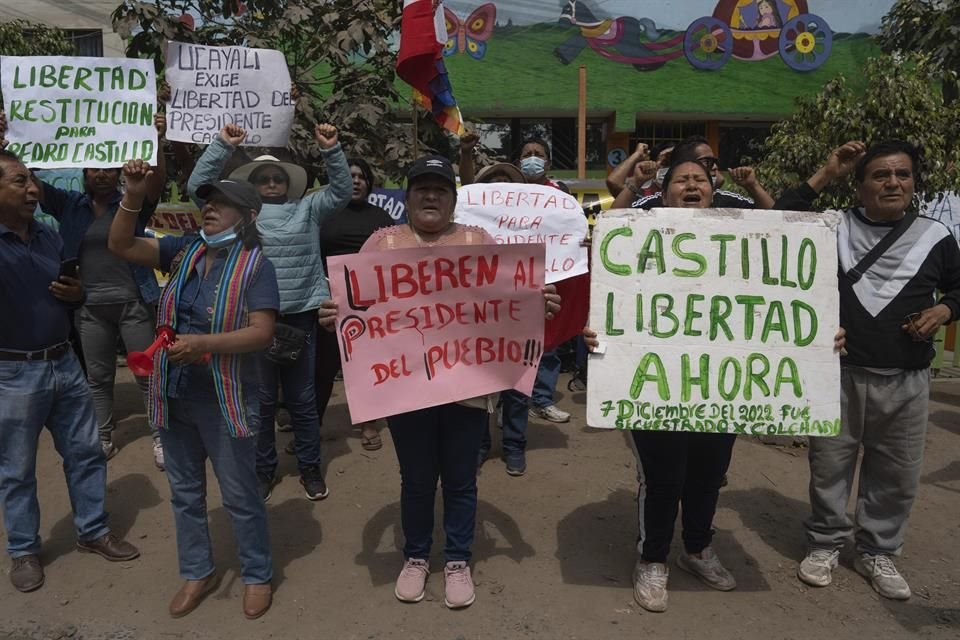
(220,239)
(532,166)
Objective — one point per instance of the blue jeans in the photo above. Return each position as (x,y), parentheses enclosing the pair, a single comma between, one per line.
(197,431)
(299,394)
(514,407)
(546,383)
(52,393)
(438,442)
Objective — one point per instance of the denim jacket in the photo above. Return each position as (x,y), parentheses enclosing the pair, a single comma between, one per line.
(74,211)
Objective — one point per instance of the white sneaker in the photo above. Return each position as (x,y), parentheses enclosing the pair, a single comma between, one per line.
(883,576)
(708,569)
(650,585)
(158,455)
(817,568)
(550,413)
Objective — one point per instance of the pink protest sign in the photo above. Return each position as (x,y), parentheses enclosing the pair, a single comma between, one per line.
(423,327)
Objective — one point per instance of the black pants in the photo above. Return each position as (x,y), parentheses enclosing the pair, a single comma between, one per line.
(328,365)
(679,468)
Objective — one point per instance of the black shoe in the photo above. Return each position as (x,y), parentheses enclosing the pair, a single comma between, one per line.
(516,463)
(26,573)
(313,484)
(266,486)
(109,547)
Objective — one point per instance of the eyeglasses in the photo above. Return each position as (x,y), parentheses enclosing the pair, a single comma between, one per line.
(275,179)
(911,319)
(709,162)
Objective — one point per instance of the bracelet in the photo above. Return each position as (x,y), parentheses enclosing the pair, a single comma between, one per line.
(128,209)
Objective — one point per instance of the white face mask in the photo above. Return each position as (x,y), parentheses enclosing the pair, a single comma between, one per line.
(220,239)
(661,174)
(532,166)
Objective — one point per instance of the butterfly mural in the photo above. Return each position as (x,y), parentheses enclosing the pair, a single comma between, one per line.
(470,35)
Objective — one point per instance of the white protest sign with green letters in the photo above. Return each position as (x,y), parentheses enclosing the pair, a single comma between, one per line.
(211,87)
(79,112)
(715,321)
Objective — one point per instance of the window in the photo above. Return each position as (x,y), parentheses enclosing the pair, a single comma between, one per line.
(741,143)
(86,42)
(653,133)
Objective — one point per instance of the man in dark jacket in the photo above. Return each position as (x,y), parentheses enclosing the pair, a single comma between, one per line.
(889,309)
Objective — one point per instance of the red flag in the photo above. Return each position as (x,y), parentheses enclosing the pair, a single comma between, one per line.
(423,32)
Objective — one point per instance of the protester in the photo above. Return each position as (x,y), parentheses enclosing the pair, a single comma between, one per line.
(343,233)
(289,225)
(680,468)
(221,300)
(800,198)
(514,413)
(699,148)
(443,441)
(119,297)
(893,264)
(534,163)
(641,173)
(41,384)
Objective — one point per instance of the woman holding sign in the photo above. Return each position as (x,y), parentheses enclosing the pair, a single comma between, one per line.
(289,225)
(439,442)
(221,300)
(680,468)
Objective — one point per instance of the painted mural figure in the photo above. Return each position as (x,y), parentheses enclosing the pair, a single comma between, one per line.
(470,36)
(742,29)
(628,40)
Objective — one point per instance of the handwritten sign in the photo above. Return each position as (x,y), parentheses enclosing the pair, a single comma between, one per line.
(423,327)
(211,87)
(79,112)
(715,321)
(946,209)
(172,218)
(529,214)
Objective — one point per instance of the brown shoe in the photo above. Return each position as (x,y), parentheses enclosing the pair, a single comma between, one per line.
(110,547)
(256,600)
(26,573)
(190,595)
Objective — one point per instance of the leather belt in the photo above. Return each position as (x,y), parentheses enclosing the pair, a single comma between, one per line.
(55,352)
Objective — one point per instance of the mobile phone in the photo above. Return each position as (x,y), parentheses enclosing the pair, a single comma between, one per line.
(70,268)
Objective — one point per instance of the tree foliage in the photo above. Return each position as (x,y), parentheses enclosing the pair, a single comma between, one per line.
(22,38)
(339,53)
(930,28)
(899,99)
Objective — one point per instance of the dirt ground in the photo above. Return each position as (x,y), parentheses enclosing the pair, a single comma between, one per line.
(553,555)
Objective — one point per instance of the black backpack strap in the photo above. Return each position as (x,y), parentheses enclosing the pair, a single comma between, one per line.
(880,248)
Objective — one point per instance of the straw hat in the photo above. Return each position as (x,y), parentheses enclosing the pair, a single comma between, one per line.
(296,173)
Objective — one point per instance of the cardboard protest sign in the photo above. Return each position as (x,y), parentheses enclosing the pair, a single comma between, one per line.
(79,112)
(529,214)
(211,87)
(423,327)
(718,321)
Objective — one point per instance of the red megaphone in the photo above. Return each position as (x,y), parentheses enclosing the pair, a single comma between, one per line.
(141,362)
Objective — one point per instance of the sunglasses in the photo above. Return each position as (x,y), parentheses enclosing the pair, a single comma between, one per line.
(911,319)
(709,162)
(275,179)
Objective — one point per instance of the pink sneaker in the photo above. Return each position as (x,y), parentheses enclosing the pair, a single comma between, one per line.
(411,584)
(458,585)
